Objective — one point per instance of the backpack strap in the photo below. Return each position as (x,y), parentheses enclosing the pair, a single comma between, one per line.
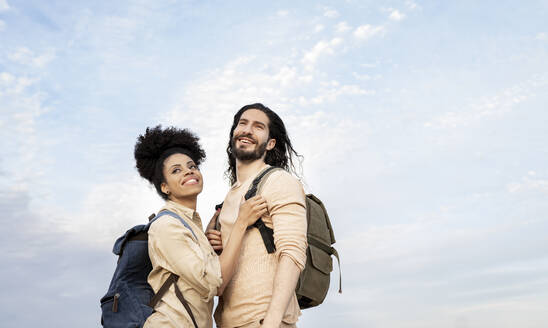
(267,234)
(172,279)
(167,212)
(329,250)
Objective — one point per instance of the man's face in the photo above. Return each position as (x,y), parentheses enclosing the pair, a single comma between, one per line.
(250,138)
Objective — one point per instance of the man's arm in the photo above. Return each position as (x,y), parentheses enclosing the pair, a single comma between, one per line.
(285,282)
(287,208)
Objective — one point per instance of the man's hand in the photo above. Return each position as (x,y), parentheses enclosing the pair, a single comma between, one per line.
(214,236)
(252,209)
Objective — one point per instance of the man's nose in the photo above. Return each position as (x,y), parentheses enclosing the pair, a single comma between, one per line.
(247,129)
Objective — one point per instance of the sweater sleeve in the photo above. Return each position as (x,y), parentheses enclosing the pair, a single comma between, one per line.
(287,207)
(177,251)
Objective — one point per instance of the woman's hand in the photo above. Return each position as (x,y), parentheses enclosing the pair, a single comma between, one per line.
(252,209)
(214,236)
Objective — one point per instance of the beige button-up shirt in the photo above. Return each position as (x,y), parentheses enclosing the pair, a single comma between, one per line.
(173,248)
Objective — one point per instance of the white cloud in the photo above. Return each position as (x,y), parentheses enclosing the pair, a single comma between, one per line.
(342,27)
(396,15)
(541,36)
(282,13)
(331,94)
(4,5)
(366,77)
(367,31)
(109,210)
(320,49)
(2,25)
(318,28)
(25,56)
(528,184)
(411,5)
(330,13)
(22,107)
(489,107)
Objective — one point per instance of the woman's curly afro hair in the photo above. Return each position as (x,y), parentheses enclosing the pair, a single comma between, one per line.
(157,144)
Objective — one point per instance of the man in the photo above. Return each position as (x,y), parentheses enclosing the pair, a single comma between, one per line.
(262,290)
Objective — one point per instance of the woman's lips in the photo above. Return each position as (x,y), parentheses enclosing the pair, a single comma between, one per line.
(191,181)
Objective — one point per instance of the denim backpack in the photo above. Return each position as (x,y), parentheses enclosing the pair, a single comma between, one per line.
(130,300)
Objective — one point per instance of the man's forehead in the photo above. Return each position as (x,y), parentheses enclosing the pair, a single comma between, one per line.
(255,115)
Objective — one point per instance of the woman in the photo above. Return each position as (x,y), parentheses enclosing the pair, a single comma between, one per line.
(169,159)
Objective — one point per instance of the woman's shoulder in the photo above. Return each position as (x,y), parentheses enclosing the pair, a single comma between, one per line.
(169,222)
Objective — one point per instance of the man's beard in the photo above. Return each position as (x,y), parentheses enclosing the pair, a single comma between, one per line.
(244,155)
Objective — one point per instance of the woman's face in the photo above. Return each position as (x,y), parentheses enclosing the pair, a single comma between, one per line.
(183,179)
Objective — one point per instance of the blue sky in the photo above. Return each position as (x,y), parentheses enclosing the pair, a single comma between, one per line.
(422,126)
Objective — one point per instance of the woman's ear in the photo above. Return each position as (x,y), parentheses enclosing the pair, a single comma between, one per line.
(164,188)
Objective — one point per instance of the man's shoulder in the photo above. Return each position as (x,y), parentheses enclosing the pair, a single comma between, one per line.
(281,180)
(280,175)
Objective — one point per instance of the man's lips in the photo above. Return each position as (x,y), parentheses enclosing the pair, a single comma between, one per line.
(246,141)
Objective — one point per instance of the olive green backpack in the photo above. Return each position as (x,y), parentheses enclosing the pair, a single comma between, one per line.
(313,283)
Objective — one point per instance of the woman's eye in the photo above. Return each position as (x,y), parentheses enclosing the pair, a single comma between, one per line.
(175,171)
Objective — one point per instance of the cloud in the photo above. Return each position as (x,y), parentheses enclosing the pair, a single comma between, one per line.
(4,5)
(31,245)
(529,184)
(318,28)
(2,25)
(108,210)
(282,13)
(342,27)
(331,94)
(22,107)
(396,15)
(330,13)
(411,5)
(320,49)
(25,56)
(490,107)
(541,36)
(367,31)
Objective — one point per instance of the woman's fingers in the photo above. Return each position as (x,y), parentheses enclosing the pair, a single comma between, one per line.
(214,238)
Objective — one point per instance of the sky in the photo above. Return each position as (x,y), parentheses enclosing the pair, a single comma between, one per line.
(421,125)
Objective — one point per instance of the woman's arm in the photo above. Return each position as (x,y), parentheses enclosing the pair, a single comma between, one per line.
(250,211)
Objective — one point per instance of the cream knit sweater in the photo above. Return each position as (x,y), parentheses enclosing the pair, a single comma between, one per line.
(247,296)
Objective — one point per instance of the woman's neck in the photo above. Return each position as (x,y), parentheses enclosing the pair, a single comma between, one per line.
(189,202)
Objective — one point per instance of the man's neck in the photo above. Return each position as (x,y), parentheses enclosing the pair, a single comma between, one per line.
(244,170)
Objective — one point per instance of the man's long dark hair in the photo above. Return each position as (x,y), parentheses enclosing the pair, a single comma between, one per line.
(282,153)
